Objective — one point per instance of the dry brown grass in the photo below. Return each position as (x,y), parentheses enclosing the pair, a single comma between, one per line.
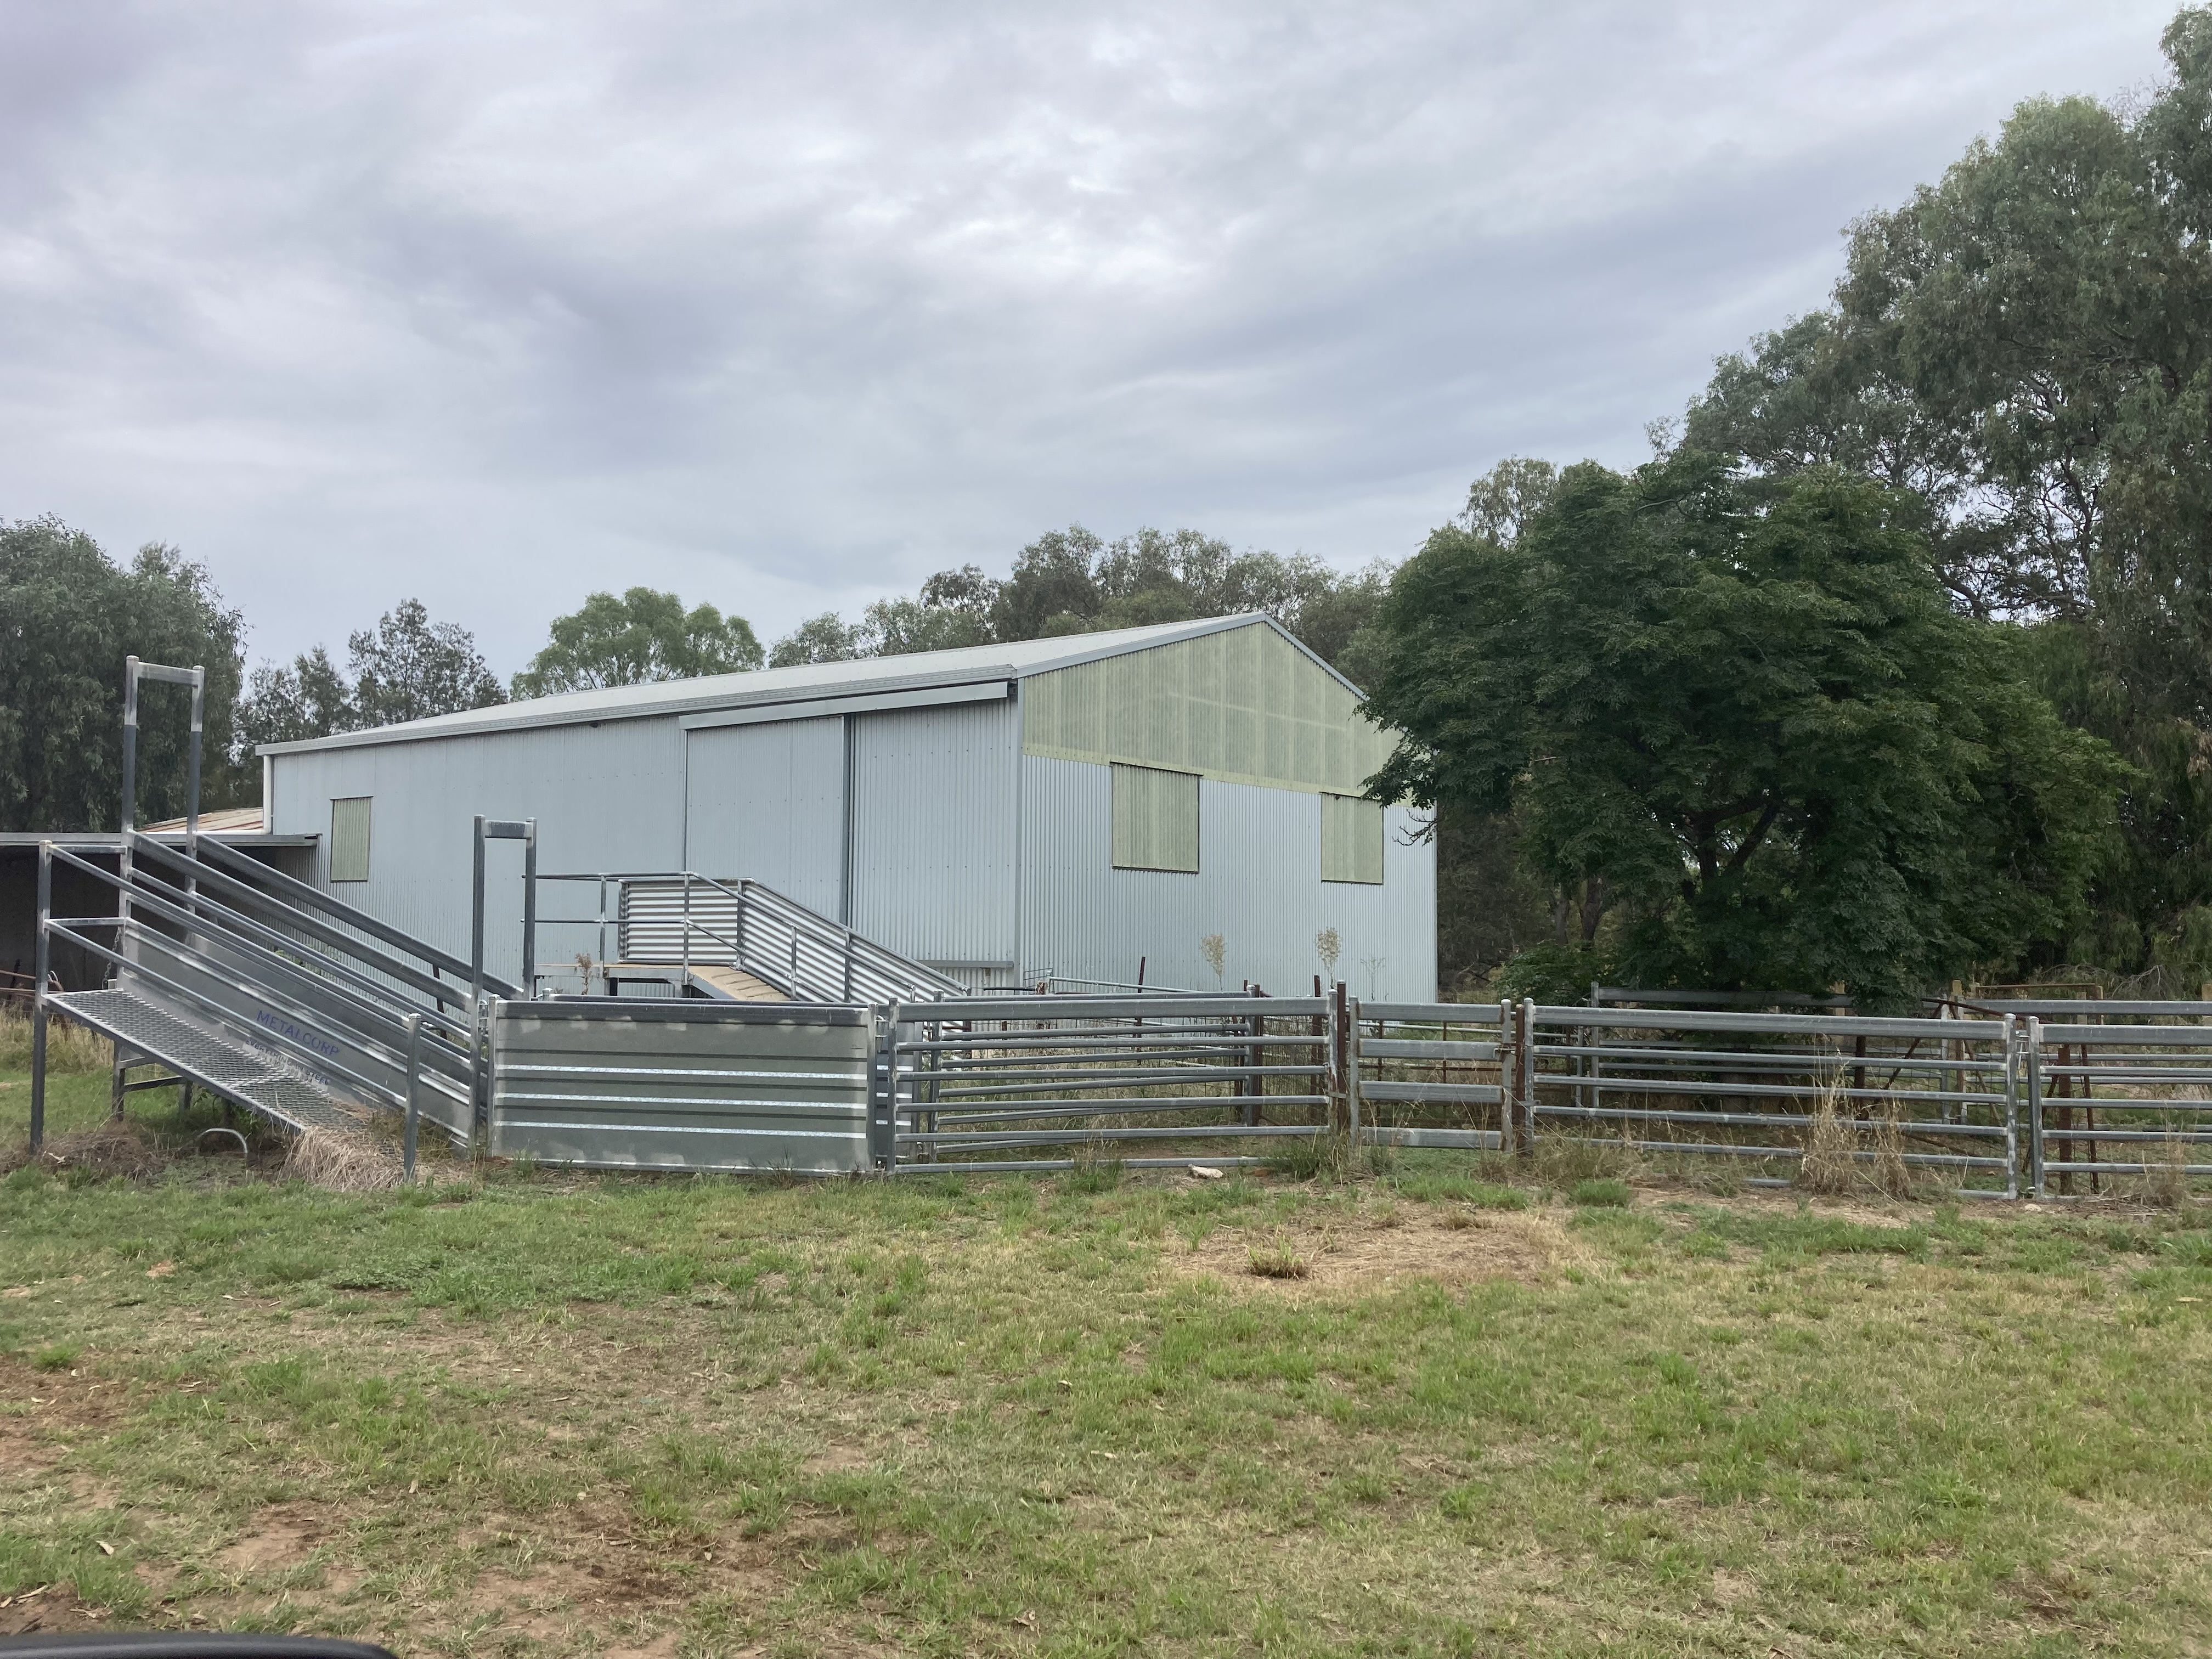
(1830,1165)
(106,1149)
(341,1163)
(1835,1164)
(70,1048)
(2165,1185)
(1891,1174)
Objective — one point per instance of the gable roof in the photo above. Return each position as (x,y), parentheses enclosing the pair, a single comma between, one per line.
(812,683)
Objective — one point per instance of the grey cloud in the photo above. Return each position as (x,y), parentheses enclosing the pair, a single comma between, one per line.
(783,305)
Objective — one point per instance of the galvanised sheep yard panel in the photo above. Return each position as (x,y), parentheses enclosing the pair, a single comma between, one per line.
(682,1084)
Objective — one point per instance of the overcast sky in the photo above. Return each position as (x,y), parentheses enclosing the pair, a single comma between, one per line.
(784,306)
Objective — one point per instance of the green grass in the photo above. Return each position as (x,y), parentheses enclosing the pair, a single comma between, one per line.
(1010,1416)
(1600,1195)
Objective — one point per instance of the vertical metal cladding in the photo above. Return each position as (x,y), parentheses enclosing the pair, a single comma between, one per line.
(934,835)
(605,797)
(1259,886)
(766,803)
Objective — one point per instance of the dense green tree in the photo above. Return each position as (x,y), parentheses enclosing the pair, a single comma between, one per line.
(1073,582)
(643,635)
(406,668)
(68,615)
(309,699)
(825,638)
(1744,716)
(2026,347)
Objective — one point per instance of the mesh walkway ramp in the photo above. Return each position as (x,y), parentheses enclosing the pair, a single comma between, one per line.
(215,1059)
(271,993)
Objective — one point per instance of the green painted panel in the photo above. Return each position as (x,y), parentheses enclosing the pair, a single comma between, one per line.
(1243,706)
(349,839)
(1155,819)
(1350,840)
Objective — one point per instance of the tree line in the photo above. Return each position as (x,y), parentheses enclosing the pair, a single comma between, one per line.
(70,614)
(1894,665)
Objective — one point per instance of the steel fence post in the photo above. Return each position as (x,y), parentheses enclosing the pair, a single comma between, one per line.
(41,962)
(530,910)
(883,1117)
(2012,1105)
(2034,1106)
(414,1097)
(1352,1101)
(1338,1038)
(1527,1067)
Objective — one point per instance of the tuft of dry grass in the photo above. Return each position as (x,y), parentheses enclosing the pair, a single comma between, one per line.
(1892,1174)
(1830,1165)
(2165,1184)
(1278,1260)
(341,1163)
(70,1048)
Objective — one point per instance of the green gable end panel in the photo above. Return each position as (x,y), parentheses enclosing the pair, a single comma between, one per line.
(1242,706)
(349,839)
(1350,840)
(1155,819)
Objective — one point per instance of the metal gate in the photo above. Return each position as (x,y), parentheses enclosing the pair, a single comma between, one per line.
(1030,1083)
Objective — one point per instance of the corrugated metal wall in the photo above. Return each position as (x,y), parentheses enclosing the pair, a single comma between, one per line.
(766,803)
(933,871)
(1244,706)
(604,797)
(1259,887)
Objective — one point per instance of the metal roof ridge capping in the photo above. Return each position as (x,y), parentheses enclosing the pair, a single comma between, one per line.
(807,682)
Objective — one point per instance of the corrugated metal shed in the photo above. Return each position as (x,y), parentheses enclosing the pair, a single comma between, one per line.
(954,806)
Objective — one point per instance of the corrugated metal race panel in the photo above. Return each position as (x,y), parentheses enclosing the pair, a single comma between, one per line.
(1262,891)
(690,1085)
(933,818)
(1244,706)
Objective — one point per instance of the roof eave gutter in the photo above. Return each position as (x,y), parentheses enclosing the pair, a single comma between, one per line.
(846,691)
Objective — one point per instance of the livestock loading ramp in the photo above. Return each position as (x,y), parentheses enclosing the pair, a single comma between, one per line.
(273,995)
(265,992)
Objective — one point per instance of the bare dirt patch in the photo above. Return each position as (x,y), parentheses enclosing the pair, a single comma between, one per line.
(54,1410)
(280,1538)
(1359,1254)
(50,1608)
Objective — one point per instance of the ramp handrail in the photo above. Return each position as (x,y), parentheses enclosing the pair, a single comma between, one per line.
(299,897)
(331,1003)
(798,951)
